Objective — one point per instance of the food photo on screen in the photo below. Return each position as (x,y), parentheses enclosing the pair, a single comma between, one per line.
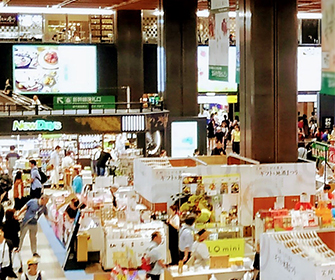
(54,69)
(36,69)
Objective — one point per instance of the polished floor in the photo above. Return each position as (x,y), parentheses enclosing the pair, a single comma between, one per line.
(48,262)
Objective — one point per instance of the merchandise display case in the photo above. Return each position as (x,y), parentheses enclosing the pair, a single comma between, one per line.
(296,254)
(126,243)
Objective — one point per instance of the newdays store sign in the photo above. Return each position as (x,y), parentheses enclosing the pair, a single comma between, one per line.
(38,125)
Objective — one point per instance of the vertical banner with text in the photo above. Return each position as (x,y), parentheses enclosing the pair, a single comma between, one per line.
(328,47)
(219,40)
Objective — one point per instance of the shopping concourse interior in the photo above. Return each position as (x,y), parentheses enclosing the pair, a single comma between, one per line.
(167,139)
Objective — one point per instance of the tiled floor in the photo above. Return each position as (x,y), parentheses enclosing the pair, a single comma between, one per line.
(48,262)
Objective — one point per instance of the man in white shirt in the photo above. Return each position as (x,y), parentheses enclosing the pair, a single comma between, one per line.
(67,163)
(186,238)
(200,250)
(55,162)
(156,259)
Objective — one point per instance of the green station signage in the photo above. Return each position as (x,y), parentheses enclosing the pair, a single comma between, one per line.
(82,102)
(319,150)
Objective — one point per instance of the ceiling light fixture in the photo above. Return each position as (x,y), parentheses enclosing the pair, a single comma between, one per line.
(301,15)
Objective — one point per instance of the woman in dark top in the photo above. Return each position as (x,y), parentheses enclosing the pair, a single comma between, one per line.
(211,132)
(256,264)
(174,224)
(11,228)
(8,88)
(72,209)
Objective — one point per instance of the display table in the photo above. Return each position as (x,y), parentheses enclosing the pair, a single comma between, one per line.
(205,274)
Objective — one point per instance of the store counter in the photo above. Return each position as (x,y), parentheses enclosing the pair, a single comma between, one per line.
(205,274)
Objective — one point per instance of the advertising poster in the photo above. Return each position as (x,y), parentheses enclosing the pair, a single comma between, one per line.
(219,40)
(207,85)
(54,69)
(184,138)
(328,47)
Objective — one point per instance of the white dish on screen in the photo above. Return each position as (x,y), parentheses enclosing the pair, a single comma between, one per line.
(45,56)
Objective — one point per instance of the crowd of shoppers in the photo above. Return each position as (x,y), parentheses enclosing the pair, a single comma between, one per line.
(23,214)
(220,133)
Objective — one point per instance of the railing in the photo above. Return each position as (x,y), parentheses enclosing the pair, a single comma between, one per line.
(88,108)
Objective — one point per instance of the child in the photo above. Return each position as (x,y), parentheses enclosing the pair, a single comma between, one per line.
(18,191)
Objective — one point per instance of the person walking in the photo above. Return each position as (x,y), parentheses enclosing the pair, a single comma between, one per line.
(11,159)
(11,228)
(6,248)
(235,139)
(35,180)
(155,256)
(18,191)
(33,273)
(101,164)
(55,162)
(218,150)
(33,210)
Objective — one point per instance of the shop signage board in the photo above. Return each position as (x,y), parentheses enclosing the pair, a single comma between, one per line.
(219,40)
(63,124)
(234,247)
(38,125)
(328,47)
(82,101)
(319,150)
(8,19)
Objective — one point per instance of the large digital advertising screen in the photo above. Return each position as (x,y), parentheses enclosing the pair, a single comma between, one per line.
(53,69)
(204,83)
(309,71)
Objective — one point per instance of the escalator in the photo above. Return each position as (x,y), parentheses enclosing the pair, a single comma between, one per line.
(18,102)
(26,101)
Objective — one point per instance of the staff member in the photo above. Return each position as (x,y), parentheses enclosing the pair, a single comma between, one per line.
(55,162)
(200,250)
(174,224)
(186,238)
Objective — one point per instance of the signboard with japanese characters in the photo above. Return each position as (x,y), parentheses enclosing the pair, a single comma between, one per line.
(81,102)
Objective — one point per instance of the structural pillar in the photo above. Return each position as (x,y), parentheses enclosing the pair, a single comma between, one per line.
(180,50)
(268,86)
(130,54)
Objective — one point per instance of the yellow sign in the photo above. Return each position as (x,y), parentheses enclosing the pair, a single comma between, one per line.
(234,247)
(232,98)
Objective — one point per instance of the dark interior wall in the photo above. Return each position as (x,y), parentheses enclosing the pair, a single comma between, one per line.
(5,63)
(150,68)
(106,65)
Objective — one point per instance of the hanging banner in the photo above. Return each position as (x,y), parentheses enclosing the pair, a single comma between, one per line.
(328,47)
(237,40)
(219,40)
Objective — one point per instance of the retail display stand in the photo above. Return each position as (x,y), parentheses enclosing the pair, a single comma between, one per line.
(296,255)
(205,274)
